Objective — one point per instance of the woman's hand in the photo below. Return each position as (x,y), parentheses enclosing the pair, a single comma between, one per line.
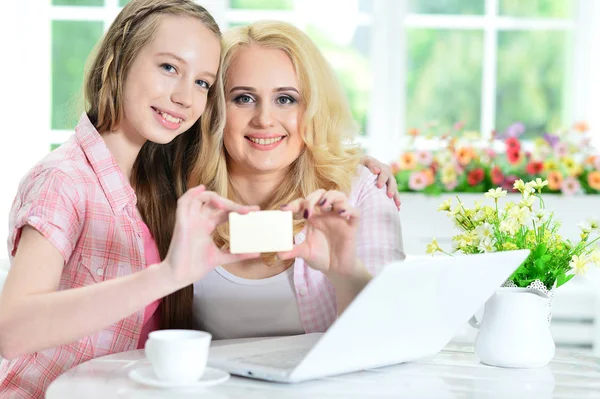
(193,253)
(330,244)
(385,176)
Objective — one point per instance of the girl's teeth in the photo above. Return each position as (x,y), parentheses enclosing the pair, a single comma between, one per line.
(265,141)
(169,117)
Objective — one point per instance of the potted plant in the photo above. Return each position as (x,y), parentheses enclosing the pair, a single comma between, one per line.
(510,334)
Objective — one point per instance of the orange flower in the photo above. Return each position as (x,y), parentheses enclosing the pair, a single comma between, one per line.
(429,176)
(555,180)
(464,155)
(593,179)
(581,127)
(413,131)
(590,160)
(408,161)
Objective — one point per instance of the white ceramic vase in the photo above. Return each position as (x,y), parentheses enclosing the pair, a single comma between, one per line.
(515,330)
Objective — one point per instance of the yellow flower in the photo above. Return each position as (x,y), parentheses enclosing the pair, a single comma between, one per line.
(445,206)
(433,247)
(578,264)
(550,165)
(519,185)
(509,246)
(448,174)
(573,168)
(495,193)
(527,203)
(538,184)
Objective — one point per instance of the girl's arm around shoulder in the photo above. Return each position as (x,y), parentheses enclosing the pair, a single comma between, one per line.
(379,236)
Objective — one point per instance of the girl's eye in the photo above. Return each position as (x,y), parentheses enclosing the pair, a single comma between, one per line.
(243,99)
(169,68)
(203,83)
(285,100)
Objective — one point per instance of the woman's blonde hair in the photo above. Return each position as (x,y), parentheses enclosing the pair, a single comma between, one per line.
(328,161)
(160,171)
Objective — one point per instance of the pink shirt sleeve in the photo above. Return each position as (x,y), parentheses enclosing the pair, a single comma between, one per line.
(48,202)
(379,236)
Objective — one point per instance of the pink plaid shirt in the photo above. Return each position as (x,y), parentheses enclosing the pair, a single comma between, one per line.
(78,198)
(379,241)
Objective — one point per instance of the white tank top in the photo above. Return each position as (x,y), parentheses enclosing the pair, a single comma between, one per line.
(228,306)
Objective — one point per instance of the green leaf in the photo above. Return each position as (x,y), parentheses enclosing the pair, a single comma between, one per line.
(563,279)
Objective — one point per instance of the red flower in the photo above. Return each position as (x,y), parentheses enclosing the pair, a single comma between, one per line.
(513,156)
(513,143)
(475,176)
(509,183)
(535,167)
(497,176)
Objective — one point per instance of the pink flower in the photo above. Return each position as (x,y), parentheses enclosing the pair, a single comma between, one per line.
(424,157)
(561,149)
(597,162)
(570,186)
(451,185)
(417,181)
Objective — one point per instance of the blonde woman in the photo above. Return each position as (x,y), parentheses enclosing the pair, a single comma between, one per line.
(283,146)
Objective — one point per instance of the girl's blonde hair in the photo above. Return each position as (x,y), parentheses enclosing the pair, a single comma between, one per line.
(328,161)
(160,171)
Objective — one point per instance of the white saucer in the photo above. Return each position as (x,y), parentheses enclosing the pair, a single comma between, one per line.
(145,375)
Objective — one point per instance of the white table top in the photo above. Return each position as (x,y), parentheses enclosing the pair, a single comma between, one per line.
(453,373)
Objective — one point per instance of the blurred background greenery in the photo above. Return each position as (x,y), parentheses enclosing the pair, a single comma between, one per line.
(444,66)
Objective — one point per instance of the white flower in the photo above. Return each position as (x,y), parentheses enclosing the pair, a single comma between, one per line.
(578,264)
(541,216)
(528,203)
(487,245)
(484,231)
(495,193)
(585,227)
(510,226)
(479,216)
(521,214)
(538,184)
(594,223)
(519,185)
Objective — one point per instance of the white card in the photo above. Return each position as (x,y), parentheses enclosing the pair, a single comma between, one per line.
(261,231)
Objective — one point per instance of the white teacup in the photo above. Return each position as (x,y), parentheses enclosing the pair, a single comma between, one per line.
(178,356)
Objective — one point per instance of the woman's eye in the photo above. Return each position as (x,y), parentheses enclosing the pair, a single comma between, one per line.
(285,100)
(204,84)
(169,68)
(244,99)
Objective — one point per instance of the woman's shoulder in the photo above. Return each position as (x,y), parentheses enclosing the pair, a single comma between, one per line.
(364,181)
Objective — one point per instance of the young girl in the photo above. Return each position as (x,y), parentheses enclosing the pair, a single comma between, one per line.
(85,276)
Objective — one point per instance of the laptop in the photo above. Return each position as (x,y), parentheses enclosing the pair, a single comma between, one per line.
(409,311)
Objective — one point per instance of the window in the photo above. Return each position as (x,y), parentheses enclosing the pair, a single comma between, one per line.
(483,63)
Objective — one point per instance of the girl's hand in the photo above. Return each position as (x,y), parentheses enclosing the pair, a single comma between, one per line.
(385,176)
(330,244)
(193,253)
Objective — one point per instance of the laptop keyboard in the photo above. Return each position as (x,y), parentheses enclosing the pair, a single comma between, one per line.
(281,359)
